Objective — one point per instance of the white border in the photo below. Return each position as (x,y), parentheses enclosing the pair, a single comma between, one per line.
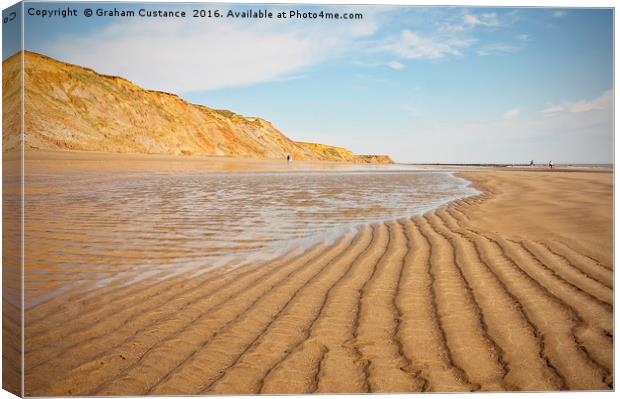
(480,3)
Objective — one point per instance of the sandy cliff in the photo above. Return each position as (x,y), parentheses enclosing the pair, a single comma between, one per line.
(328,152)
(68,107)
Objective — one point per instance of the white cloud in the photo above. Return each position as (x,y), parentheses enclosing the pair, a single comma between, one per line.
(289,78)
(395,65)
(513,113)
(552,110)
(376,64)
(485,19)
(183,56)
(454,27)
(558,14)
(498,48)
(453,36)
(470,21)
(601,103)
(412,45)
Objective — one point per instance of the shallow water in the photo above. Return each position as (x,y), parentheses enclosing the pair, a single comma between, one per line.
(94,226)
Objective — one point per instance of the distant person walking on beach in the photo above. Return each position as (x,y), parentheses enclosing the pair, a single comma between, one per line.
(289,159)
(550,165)
(532,162)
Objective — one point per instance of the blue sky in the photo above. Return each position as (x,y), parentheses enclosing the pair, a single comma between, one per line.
(421,84)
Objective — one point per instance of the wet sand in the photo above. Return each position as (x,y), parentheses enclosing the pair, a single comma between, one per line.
(96,219)
(85,160)
(510,290)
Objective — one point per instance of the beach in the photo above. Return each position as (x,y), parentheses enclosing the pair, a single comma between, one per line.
(509,289)
(376,199)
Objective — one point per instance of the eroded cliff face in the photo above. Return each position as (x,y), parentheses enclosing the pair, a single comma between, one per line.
(68,107)
(374,159)
(11,104)
(331,153)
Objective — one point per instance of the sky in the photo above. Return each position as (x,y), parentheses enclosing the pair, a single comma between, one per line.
(422,84)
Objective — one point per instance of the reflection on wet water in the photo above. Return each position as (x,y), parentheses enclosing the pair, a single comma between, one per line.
(86,227)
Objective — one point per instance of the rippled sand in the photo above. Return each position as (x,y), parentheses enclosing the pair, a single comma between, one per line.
(509,290)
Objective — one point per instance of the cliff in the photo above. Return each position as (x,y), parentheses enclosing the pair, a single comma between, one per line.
(68,107)
(374,159)
(328,152)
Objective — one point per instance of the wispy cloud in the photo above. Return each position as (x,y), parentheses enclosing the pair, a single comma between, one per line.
(469,21)
(395,65)
(147,52)
(601,103)
(485,19)
(455,35)
(523,37)
(376,64)
(182,56)
(413,45)
(289,78)
(552,110)
(513,113)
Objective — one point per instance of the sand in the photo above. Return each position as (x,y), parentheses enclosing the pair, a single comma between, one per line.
(84,160)
(510,290)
